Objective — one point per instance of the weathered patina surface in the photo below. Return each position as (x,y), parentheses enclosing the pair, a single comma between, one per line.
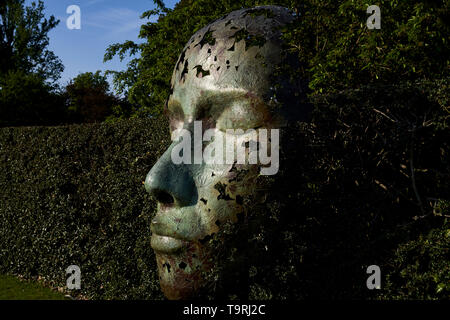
(229,77)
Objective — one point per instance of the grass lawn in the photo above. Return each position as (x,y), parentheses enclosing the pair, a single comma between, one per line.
(12,288)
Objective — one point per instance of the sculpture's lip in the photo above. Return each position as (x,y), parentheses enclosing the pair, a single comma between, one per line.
(165,244)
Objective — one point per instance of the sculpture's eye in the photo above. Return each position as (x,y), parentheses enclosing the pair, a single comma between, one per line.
(242,115)
(176,124)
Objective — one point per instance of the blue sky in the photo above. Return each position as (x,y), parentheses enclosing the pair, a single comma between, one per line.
(103,22)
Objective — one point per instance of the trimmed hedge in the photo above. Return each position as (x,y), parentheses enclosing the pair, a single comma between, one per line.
(74,195)
(346,199)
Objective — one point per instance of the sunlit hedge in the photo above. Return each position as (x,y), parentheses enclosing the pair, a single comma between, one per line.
(74,195)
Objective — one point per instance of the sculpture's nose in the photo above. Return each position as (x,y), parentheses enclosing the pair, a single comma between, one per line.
(171,184)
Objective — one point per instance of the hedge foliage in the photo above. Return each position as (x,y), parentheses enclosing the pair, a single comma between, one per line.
(74,195)
(367,181)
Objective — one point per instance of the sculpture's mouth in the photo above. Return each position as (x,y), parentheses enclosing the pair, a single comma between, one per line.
(165,244)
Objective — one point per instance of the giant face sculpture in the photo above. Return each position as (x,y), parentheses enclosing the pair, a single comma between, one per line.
(225,78)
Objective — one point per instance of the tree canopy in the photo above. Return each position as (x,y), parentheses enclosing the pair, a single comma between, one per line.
(26,100)
(331,39)
(88,97)
(28,69)
(24,40)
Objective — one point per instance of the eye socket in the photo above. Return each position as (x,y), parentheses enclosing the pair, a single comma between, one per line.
(176,116)
(175,124)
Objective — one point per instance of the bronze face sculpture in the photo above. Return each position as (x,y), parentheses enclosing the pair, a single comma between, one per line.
(227,77)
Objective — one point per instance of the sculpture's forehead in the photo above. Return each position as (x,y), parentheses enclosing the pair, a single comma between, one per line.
(235,53)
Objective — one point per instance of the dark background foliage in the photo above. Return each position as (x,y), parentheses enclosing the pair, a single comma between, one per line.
(347,199)
(89,99)
(26,99)
(366,182)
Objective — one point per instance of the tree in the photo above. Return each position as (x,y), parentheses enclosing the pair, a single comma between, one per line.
(340,52)
(331,39)
(28,70)
(24,40)
(26,99)
(88,97)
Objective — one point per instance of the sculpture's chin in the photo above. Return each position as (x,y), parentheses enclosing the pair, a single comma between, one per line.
(176,291)
(180,273)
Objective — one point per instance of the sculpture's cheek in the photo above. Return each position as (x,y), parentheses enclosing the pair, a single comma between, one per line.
(221,199)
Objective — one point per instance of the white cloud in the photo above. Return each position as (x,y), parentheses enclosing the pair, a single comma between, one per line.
(117,21)
(92,2)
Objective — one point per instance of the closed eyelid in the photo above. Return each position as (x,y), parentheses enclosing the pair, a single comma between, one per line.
(214,105)
(243,116)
